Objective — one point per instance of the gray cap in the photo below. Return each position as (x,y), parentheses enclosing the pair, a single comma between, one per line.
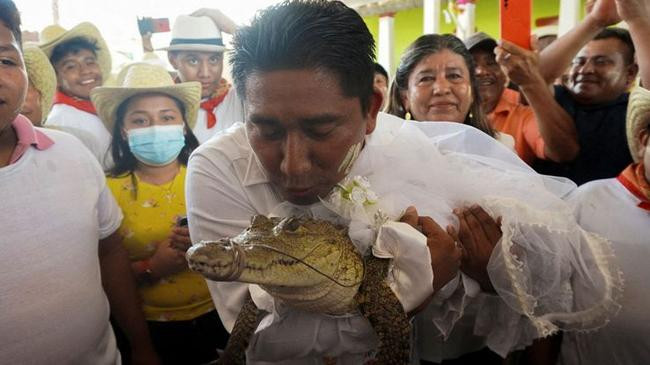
(481,40)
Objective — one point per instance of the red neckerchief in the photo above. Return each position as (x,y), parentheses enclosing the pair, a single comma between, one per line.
(81,104)
(633,179)
(213,102)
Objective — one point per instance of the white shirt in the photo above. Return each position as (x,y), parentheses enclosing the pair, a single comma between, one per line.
(609,209)
(87,127)
(228,112)
(55,208)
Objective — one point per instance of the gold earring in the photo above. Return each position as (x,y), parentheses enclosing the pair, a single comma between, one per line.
(407,116)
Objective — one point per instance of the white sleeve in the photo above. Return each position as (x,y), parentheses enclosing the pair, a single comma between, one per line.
(216,208)
(109,215)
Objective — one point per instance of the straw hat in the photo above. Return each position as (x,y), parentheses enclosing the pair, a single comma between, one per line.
(141,78)
(638,118)
(53,35)
(41,74)
(195,33)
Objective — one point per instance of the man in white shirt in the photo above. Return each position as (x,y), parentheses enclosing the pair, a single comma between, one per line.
(196,52)
(59,241)
(82,61)
(305,73)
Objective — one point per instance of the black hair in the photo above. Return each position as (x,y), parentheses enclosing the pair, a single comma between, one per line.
(307,34)
(10,17)
(379,69)
(74,46)
(622,35)
(125,161)
(422,47)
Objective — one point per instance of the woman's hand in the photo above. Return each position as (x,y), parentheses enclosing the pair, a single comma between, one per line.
(478,234)
(180,238)
(445,254)
(167,260)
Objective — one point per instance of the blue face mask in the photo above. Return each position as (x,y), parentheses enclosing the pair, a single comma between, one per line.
(156,145)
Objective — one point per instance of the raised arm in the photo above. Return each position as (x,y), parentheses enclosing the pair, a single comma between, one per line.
(555,58)
(221,20)
(636,13)
(556,127)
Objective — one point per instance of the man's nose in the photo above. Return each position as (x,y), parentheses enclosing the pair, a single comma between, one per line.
(204,69)
(296,157)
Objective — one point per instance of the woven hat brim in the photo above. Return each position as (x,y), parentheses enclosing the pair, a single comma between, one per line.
(194,47)
(86,30)
(638,118)
(41,74)
(108,99)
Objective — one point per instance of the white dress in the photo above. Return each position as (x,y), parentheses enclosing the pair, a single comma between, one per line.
(608,208)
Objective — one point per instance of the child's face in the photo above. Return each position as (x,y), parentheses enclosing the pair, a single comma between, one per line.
(13,78)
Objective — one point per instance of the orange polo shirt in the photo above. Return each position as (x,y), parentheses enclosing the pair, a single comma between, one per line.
(518,120)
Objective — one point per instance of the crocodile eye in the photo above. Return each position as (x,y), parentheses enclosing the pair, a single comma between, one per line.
(292,224)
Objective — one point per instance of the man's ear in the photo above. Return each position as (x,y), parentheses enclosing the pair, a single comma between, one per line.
(376,100)
(632,72)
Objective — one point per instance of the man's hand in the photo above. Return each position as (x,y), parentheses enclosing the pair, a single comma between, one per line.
(445,254)
(167,260)
(634,10)
(519,64)
(222,22)
(602,12)
(478,233)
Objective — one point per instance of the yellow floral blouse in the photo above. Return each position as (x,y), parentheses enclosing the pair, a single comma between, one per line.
(148,219)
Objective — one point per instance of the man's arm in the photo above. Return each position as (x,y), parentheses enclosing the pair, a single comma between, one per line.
(556,127)
(119,285)
(221,20)
(636,13)
(556,58)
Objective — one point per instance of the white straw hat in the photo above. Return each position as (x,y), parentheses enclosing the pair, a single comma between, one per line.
(195,33)
(638,118)
(53,35)
(142,78)
(40,74)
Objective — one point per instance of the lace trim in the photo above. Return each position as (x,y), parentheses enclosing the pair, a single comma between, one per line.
(561,223)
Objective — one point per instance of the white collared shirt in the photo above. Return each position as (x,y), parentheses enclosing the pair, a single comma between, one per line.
(228,112)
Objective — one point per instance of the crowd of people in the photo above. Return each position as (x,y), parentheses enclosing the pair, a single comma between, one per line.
(514,186)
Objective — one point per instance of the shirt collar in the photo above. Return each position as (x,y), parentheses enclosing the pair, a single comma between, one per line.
(509,98)
(28,136)
(254,171)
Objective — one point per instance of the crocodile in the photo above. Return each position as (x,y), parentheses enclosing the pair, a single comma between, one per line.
(309,264)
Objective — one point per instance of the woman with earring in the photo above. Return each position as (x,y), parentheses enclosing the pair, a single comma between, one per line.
(150,119)
(433,82)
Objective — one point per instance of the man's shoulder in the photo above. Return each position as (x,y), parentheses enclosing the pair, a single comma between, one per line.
(596,191)
(230,144)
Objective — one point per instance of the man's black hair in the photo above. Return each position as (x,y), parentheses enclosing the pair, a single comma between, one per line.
(10,17)
(74,46)
(379,69)
(622,35)
(308,34)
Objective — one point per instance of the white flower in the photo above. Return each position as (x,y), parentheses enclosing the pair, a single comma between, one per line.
(358,196)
